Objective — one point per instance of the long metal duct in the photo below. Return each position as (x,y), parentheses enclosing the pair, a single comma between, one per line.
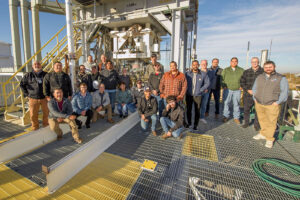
(36,28)
(15,33)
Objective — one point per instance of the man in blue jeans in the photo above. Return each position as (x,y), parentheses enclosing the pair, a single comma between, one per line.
(147,109)
(124,101)
(232,90)
(172,118)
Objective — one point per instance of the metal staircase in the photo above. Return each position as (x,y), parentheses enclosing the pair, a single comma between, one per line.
(18,111)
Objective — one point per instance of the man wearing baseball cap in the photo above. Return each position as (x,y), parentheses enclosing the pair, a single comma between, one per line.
(150,67)
(147,109)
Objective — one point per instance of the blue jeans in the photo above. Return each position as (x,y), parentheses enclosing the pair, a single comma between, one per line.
(166,123)
(112,98)
(123,110)
(204,100)
(144,124)
(233,96)
(160,104)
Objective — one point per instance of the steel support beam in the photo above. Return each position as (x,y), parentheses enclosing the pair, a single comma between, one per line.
(26,32)
(177,36)
(194,55)
(36,28)
(15,33)
(164,21)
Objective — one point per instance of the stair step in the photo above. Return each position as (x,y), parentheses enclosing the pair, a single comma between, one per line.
(20,105)
(17,114)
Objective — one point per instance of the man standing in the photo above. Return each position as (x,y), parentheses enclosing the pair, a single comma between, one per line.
(102,64)
(154,81)
(61,112)
(198,83)
(205,94)
(215,87)
(124,101)
(89,63)
(231,88)
(81,104)
(110,78)
(125,78)
(173,117)
(150,67)
(32,88)
(247,81)
(83,77)
(147,109)
(173,83)
(57,79)
(95,76)
(101,102)
(270,90)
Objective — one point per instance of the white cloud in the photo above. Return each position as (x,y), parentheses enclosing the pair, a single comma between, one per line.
(226,35)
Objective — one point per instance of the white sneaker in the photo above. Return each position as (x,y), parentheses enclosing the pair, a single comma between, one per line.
(269,144)
(204,121)
(259,137)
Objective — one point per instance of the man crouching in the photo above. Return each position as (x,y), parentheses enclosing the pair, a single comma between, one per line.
(173,117)
(60,111)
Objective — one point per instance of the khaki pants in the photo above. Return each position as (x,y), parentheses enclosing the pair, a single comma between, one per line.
(96,115)
(34,107)
(54,126)
(267,118)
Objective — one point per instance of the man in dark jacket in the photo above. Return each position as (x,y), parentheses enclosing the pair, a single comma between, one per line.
(125,78)
(147,109)
(197,82)
(154,81)
(95,76)
(137,92)
(32,88)
(173,117)
(57,79)
(215,87)
(61,112)
(84,77)
(110,78)
(247,81)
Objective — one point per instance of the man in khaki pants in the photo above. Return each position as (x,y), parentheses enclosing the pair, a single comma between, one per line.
(270,90)
(61,112)
(32,88)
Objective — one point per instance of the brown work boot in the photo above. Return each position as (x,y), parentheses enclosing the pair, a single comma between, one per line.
(154,133)
(237,121)
(225,119)
(206,114)
(110,121)
(216,116)
(165,136)
(78,140)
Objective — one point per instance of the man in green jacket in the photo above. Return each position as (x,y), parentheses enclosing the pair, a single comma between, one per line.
(124,101)
(232,90)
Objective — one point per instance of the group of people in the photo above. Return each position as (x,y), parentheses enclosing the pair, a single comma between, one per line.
(160,98)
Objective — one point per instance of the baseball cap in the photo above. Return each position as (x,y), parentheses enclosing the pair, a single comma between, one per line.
(147,88)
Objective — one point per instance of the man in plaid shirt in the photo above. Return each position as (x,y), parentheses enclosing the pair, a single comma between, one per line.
(247,81)
(173,83)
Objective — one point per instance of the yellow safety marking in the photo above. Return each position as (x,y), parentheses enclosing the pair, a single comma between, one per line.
(149,165)
(13,137)
(200,146)
(107,177)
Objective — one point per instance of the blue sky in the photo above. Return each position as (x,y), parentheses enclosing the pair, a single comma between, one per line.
(224,29)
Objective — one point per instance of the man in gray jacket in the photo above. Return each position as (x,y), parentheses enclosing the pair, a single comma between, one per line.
(60,111)
(101,102)
(270,90)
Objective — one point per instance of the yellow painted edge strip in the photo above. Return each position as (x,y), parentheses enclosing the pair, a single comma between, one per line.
(13,137)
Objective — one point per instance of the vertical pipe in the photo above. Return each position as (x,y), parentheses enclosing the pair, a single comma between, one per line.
(36,29)
(83,38)
(194,55)
(247,58)
(15,34)
(177,37)
(26,32)
(71,49)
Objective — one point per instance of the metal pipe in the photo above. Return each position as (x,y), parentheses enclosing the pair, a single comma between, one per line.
(36,29)
(15,33)
(71,49)
(26,32)
(194,55)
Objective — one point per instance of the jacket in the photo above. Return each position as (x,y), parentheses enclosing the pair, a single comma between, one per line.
(55,112)
(150,70)
(123,97)
(176,115)
(215,83)
(85,78)
(173,85)
(54,80)
(202,82)
(32,85)
(97,99)
(137,94)
(80,103)
(147,107)
(231,79)
(154,81)
(110,78)
(248,78)
(95,77)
